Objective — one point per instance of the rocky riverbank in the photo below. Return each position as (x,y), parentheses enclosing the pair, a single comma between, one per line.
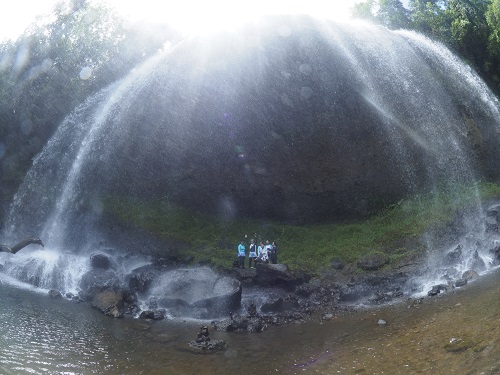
(272,294)
(283,297)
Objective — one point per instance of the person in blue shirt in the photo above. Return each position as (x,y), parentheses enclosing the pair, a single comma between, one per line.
(241,254)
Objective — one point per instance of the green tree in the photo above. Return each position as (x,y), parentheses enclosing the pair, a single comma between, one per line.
(389,13)
(469,29)
(364,10)
(492,65)
(431,19)
(392,14)
(493,20)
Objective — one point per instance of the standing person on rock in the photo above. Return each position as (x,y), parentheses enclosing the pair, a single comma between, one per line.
(268,249)
(241,254)
(274,253)
(252,253)
(263,254)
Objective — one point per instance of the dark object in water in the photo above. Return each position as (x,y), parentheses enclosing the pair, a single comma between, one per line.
(203,342)
(14,249)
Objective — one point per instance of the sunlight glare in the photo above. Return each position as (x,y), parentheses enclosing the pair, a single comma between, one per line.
(187,16)
(16,16)
(202,17)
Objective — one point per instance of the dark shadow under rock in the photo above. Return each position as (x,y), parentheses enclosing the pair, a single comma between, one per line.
(279,275)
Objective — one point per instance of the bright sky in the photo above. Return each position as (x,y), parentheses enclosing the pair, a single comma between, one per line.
(186,15)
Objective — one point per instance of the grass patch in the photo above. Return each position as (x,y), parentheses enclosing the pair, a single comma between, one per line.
(309,247)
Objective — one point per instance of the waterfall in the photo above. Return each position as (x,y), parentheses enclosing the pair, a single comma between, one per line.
(324,121)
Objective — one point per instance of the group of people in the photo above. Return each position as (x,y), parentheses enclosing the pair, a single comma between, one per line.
(263,252)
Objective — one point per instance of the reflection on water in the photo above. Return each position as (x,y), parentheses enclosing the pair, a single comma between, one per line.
(42,335)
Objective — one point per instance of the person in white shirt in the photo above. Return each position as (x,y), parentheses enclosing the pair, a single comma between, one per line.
(262,253)
(268,249)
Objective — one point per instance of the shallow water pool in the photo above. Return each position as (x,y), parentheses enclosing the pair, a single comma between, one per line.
(41,335)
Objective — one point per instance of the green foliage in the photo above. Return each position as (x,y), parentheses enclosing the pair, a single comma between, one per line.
(471,28)
(309,247)
(492,65)
(430,18)
(364,10)
(493,20)
(392,14)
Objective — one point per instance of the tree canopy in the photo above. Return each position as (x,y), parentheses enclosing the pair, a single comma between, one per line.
(471,28)
(55,65)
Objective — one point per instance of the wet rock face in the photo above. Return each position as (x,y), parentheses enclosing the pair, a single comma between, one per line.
(115,303)
(196,292)
(157,314)
(496,255)
(288,128)
(96,281)
(278,275)
(455,256)
(100,261)
(141,278)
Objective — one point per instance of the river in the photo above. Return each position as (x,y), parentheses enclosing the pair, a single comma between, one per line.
(42,335)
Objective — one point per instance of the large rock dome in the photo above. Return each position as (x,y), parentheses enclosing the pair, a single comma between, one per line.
(301,120)
(290,118)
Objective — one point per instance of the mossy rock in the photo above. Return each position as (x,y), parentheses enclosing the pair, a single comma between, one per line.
(461,345)
(373,261)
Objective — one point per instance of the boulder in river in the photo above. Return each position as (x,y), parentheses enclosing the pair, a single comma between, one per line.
(96,281)
(157,314)
(116,302)
(469,275)
(198,291)
(110,303)
(99,260)
(436,289)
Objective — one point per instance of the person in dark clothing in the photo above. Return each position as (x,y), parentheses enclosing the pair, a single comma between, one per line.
(252,253)
(273,255)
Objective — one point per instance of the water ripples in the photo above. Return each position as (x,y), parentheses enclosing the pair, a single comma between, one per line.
(40,335)
(36,338)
